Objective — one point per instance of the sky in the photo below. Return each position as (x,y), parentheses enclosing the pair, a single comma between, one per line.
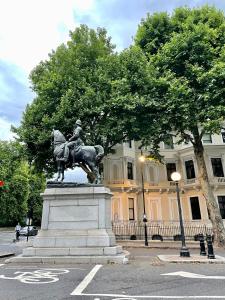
(30,29)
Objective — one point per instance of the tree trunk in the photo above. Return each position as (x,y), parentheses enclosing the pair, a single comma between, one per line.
(212,205)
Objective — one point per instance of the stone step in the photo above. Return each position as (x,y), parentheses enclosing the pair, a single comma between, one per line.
(75,251)
(121,258)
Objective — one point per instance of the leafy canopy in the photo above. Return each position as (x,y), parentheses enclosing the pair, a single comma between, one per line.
(186,63)
(79,80)
(14,172)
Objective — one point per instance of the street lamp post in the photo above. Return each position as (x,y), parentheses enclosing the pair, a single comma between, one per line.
(30,216)
(142,160)
(184,250)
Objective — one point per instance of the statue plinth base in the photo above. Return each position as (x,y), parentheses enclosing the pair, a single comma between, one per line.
(76,227)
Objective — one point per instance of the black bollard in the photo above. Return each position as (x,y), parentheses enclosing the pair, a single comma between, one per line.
(210,247)
(202,244)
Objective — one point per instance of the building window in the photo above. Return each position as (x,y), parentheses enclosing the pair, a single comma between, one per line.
(223,135)
(129,143)
(217,167)
(170,168)
(221,201)
(195,208)
(190,169)
(207,138)
(130,170)
(168,143)
(101,170)
(131,209)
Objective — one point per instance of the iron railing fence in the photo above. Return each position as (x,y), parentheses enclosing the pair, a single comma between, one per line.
(134,230)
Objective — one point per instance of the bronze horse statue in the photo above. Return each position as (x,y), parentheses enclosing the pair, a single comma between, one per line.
(86,157)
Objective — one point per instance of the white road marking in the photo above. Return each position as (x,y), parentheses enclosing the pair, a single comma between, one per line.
(84,283)
(150,297)
(193,275)
(37,267)
(1,265)
(37,277)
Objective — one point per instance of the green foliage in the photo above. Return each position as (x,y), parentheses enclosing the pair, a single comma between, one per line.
(187,72)
(22,185)
(79,80)
(153,32)
(14,172)
(37,184)
(185,53)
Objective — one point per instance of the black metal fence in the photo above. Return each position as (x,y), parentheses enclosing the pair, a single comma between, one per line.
(158,231)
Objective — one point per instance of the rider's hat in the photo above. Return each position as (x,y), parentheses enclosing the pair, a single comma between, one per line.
(78,122)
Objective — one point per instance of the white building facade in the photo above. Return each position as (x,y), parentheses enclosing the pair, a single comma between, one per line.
(123,170)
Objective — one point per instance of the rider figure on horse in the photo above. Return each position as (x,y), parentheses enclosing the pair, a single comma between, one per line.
(75,141)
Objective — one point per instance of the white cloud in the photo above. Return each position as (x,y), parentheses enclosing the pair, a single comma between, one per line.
(29,30)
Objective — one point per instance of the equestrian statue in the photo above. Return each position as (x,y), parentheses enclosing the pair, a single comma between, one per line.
(72,153)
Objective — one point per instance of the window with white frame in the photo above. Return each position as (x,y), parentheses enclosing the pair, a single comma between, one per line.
(223,135)
(170,168)
(217,167)
(207,138)
(131,209)
(190,169)
(101,170)
(195,208)
(128,143)
(221,202)
(130,174)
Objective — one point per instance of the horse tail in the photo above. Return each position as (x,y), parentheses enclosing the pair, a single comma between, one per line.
(100,152)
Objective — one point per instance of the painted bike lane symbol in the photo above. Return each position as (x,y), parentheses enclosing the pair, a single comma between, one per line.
(37,277)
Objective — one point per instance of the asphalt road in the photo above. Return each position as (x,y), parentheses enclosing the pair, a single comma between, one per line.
(145,277)
(137,280)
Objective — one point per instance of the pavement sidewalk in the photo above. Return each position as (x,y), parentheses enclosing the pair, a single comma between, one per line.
(169,252)
(166,251)
(7,229)
(14,248)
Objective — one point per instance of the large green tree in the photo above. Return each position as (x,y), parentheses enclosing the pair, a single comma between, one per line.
(20,193)
(186,64)
(79,80)
(37,184)
(14,173)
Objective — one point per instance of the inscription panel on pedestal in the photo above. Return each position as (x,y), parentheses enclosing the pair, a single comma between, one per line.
(73,213)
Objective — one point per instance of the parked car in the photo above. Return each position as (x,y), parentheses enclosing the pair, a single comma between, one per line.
(32,230)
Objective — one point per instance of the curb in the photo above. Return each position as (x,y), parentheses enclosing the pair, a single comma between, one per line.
(195,259)
(6,254)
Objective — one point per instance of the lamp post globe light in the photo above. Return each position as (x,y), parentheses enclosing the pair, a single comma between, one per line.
(142,160)
(176,177)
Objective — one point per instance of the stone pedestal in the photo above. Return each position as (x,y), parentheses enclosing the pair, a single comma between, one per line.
(76,227)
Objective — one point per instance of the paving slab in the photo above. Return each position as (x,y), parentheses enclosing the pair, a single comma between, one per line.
(192,259)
